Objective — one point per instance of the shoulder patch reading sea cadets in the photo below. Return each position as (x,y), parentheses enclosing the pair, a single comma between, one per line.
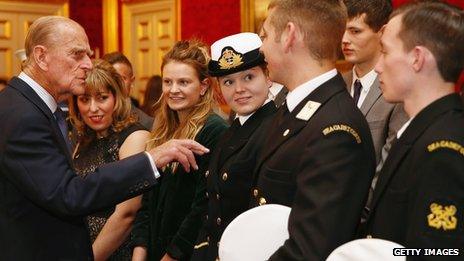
(342,127)
(446,144)
(442,217)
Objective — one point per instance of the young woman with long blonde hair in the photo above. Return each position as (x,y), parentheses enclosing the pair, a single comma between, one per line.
(168,223)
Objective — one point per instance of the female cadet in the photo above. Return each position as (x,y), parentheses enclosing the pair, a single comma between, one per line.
(242,75)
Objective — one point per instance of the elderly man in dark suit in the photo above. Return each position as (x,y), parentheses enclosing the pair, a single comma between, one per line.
(42,201)
(418,201)
(318,158)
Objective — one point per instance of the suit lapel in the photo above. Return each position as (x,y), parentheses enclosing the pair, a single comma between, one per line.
(280,97)
(396,155)
(372,96)
(32,96)
(291,124)
(415,129)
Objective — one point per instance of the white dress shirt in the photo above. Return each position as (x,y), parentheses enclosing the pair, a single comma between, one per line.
(366,82)
(403,128)
(299,93)
(52,105)
(274,90)
(243,118)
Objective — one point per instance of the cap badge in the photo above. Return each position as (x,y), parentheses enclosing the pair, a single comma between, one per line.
(229,59)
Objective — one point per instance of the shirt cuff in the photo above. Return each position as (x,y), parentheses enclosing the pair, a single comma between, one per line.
(153,166)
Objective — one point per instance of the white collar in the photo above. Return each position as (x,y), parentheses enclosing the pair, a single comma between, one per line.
(299,93)
(275,89)
(403,128)
(243,119)
(366,81)
(43,94)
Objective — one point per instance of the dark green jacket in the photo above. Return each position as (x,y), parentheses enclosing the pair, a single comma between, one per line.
(171,214)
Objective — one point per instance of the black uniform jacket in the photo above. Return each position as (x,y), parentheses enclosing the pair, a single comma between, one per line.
(171,214)
(230,178)
(419,200)
(321,167)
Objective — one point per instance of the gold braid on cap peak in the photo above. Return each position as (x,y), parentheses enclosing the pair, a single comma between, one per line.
(229,59)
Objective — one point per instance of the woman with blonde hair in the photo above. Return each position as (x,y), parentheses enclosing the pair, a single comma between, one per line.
(167,225)
(106,132)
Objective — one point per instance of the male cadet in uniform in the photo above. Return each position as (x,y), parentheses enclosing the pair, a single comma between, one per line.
(418,201)
(318,158)
(361,46)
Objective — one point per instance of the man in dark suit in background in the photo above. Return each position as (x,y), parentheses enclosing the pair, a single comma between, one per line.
(124,68)
(361,47)
(42,201)
(418,201)
(319,158)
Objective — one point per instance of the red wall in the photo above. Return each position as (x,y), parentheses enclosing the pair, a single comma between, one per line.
(209,20)
(89,15)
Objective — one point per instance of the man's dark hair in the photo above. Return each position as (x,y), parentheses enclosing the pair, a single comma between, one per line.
(377,11)
(440,28)
(117,57)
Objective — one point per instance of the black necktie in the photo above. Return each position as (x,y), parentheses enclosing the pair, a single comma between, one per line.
(357,91)
(59,116)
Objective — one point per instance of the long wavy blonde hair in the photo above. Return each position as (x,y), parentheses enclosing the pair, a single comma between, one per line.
(167,124)
(102,76)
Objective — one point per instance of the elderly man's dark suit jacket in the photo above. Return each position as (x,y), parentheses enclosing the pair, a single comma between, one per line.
(384,118)
(230,178)
(419,198)
(321,167)
(42,201)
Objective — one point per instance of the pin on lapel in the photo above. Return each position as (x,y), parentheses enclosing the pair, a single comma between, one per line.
(286,132)
(308,110)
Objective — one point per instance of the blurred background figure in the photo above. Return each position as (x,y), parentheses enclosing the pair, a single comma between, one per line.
(107,132)
(153,92)
(124,68)
(3,83)
(167,225)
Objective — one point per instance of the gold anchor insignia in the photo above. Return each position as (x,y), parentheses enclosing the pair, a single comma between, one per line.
(229,59)
(442,217)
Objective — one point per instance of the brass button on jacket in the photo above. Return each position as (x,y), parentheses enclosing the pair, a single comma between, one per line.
(255,192)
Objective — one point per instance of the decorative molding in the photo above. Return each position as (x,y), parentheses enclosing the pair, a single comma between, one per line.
(252,14)
(247,15)
(56,7)
(110,26)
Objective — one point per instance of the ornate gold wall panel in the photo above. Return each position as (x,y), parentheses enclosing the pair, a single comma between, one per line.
(253,13)
(149,30)
(15,19)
